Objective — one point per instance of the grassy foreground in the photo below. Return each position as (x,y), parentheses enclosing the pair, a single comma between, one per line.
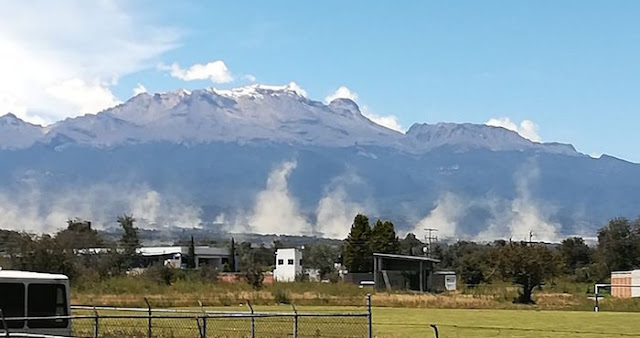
(391,322)
(394,322)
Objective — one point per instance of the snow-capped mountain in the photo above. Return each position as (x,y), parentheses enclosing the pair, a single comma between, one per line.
(425,137)
(275,114)
(259,113)
(15,133)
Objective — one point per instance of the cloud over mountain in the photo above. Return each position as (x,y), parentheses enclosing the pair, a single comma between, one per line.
(52,69)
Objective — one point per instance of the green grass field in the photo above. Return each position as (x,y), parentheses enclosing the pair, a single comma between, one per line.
(414,322)
(396,322)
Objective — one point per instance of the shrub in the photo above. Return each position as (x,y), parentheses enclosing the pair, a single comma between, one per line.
(281,296)
(254,276)
(160,274)
(226,267)
(208,274)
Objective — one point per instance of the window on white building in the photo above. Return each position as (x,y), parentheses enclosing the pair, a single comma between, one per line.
(280,261)
(290,262)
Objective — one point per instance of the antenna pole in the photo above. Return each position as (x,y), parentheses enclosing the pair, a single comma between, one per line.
(429,238)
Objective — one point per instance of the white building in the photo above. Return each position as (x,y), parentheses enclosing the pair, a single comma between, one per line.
(288,265)
(176,256)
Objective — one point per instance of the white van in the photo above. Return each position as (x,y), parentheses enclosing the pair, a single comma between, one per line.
(33,294)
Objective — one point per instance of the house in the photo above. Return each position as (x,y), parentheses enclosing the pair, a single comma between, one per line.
(625,284)
(288,264)
(176,256)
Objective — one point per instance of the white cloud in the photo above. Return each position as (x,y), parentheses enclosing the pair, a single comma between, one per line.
(388,121)
(250,78)
(82,97)
(139,89)
(341,93)
(527,128)
(216,71)
(294,87)
(49,48)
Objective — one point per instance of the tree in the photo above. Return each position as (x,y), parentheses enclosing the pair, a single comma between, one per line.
(321,257)
(528,266)
(470,260)
(43,254)
(472,270)
(575,253)
(618,244)
(384,239)
(79,235)
(411,245)
(254,275)
(129,241)
(357,251)
(232,256)
(191,258)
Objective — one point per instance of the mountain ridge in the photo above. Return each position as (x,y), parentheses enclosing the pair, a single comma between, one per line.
(259,112)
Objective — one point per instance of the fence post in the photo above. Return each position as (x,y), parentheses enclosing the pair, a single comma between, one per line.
(435,330)
(253,320)
(4,324)
(149,324)
(370,326)
(295,321)
(96,322)
(204,320)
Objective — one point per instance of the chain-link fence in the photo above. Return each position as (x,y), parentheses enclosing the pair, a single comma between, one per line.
(91,322)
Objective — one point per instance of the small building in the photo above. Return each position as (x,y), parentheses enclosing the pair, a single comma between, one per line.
(625,284)
(176,256)
(442,281)
(402,272)
(288,264)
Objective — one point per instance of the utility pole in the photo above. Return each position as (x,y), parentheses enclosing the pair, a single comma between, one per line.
(530,236)
(428,238)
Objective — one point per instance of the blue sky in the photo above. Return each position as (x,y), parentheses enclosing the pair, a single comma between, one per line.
(569,69)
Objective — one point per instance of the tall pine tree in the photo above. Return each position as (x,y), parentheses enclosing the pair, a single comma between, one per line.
(384,239)
(357,251)
(191,258)
(232,256)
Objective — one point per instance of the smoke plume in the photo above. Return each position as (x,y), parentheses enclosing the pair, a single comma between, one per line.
(275,211)
(509,219)
(34,210)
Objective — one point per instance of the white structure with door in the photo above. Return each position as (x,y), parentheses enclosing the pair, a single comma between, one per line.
(288,265)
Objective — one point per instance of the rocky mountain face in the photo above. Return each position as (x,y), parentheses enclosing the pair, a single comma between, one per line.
(267,159)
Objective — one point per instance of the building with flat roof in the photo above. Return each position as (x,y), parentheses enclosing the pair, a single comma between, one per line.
(288,264)
(176,256)
(403,272)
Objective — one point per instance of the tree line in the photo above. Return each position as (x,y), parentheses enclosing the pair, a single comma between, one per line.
(526,264)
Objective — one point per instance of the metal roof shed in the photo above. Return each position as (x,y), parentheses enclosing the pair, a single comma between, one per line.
(393,271)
